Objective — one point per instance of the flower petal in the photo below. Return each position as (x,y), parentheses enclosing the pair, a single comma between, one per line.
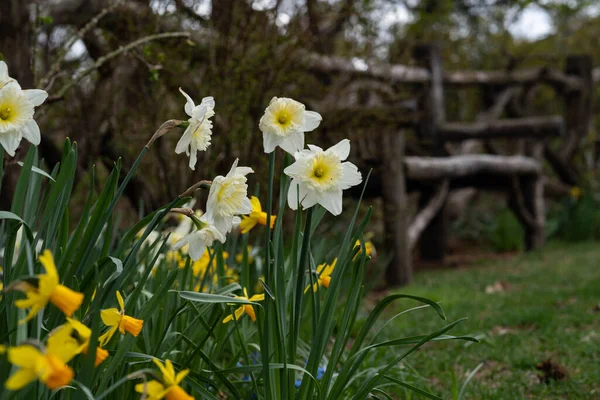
(31,132)
(271,141)
(350,176)
(293,143)
(189,105)
(332,201)
(342,149)
(110,317)
(10,141)
(35,96)
(20,379)
(184,142)
(311,120)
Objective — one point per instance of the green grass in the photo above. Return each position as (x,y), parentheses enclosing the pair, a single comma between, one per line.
(549,310)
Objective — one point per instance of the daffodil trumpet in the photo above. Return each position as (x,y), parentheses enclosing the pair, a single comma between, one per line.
(47,364)
(45,288)
(167,386)
(117,319)
(245,308)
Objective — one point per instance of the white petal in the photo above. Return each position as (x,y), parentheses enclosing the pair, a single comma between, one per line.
(309,200)
(193,158)
(296,169)
(199,112)
(293,195)
(223,224)
(314,148)
(209,102)
(246,207)
(233,168)
(189,105)
(243,171)
(350,176)
(332,201)
(182,242)
(197,246)
(270,141)
(10,141)
(31,132)
(186,139)
(217,235)
(311,120)
(342,149)
(3,72)
(293,143)
(35,96)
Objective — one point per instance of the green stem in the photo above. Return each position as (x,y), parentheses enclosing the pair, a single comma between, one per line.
(299,294)
(265,352)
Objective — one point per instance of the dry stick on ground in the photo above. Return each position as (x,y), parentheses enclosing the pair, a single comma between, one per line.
(427,214)
(104,59)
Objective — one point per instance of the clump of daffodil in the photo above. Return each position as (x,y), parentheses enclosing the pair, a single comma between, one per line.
(48,364)
(245,308)
(199,131)
(174,257)
(16,112)
(228,198)
(205,273)
(199,267)
(168,387)
(116,319)
(324,272)
(76,336)
(257,216)
(284,123)
(320,176)
(46,288)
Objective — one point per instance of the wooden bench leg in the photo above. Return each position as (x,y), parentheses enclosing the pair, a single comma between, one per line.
(396,217)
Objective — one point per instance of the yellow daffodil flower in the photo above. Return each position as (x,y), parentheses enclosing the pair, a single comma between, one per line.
(369,247)
(49,366)
(324,272)
(118,320)
(169,387)
(257,216)
(45,288)
(245,308)
(75,335)
(575,192)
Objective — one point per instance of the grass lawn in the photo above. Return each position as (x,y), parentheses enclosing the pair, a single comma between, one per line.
(544,307)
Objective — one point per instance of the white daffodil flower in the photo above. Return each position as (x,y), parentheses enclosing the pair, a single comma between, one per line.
(198,134)
(16,116)
(321,176)
(199,240)
(228,198)
(4,78)
(284,123)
